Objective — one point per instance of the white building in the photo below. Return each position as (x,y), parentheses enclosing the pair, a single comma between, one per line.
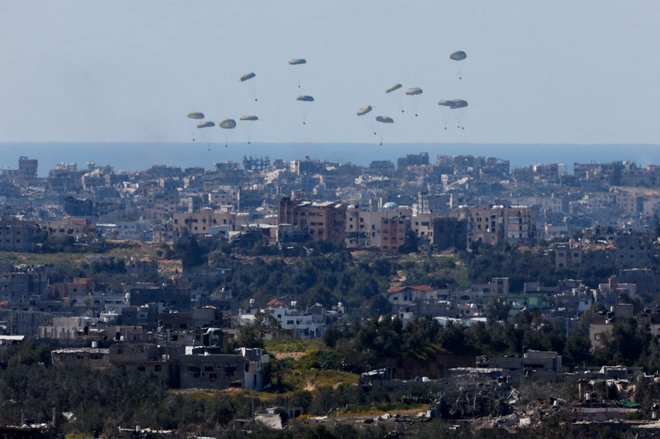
(303,325)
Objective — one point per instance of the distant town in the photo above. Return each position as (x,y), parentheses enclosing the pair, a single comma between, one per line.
(431,296)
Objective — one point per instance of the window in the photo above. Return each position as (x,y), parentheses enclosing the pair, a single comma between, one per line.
(193,369)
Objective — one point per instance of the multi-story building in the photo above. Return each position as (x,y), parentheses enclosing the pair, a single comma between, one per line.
(93,358)
(300,324)
(634,249)
(193,223)
(205,370)
(325,221)
(145,358)
(549,173)
(206,221)
(81,229)
(499,224)
(78,287)
(394,233)
(27,168)
(407,295)
(382,167)
(384,229)
(449,233)
(567,255)
(519,225)
(533,364)
(422,225)
(628,203)
(67,328)
(224,196)
(17,234)
(19,283)
(65,178)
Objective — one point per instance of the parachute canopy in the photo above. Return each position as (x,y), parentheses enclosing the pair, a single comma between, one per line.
(413,91)
(459,55)
(227,124)
(392,88)
(297,61)
(364,110)
(384,119)
(247,76)
(207,124)
(453,103)
(249,117)
(305,98)
(196,115)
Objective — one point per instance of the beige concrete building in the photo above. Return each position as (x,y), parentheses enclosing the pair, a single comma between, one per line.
(77,228)
(422,225)
(325,221)
(499,224)
(207,221)
(384,229)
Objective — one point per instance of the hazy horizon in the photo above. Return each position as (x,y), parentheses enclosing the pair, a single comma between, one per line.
(133,156)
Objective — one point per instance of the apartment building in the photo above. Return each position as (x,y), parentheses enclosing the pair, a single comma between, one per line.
(498,224)
(325,221)
(385,229)
(17,234)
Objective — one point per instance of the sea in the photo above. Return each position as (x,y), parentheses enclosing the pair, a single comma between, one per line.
(139,156)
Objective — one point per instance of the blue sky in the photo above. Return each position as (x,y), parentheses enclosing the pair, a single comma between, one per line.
(538,71)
